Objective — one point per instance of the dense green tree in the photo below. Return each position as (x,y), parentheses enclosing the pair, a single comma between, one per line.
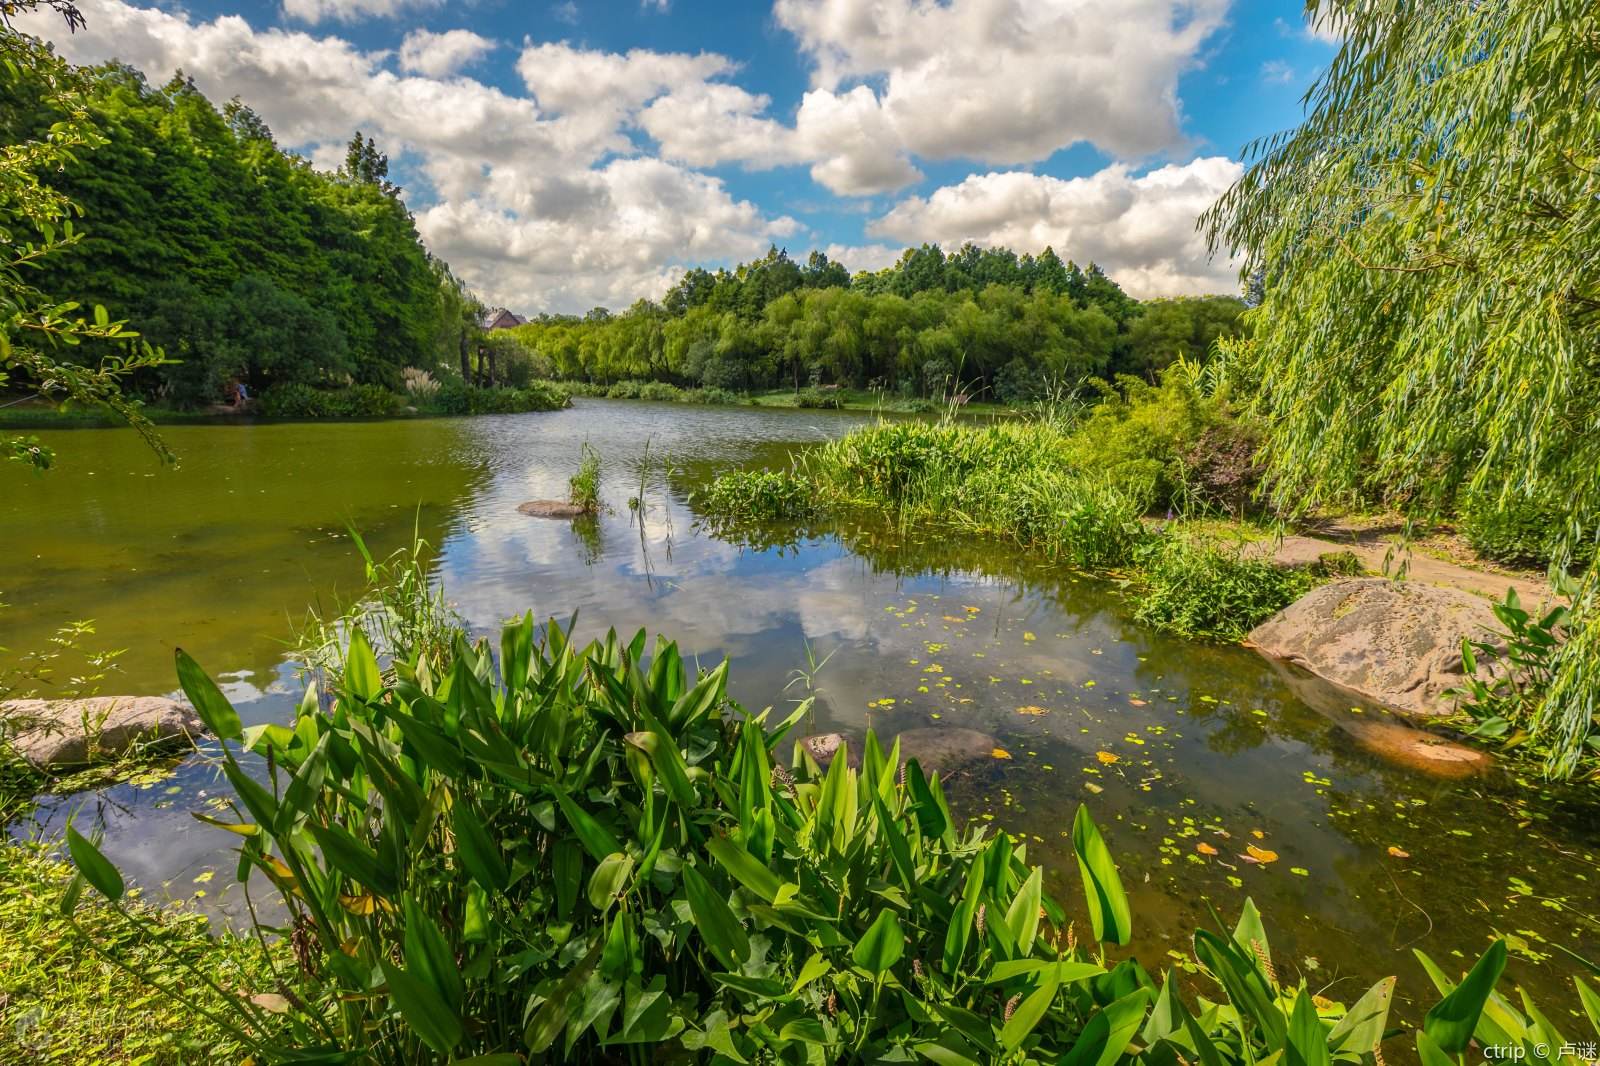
(1430,315)
(195,219)
(41,333)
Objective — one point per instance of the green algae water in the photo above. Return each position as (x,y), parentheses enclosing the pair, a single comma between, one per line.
(1214,773)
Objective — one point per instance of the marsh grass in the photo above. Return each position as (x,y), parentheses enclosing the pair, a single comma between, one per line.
(583,488)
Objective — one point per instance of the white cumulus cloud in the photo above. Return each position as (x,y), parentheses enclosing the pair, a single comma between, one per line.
(314,11)
(1140,229)
(441,54)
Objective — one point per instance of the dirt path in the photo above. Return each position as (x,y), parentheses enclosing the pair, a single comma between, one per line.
(1379,553)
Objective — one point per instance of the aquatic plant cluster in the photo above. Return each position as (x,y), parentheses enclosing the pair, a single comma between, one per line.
(588,854)
(1073,490)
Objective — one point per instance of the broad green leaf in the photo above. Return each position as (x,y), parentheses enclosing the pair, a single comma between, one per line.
(1307,1040)
(744,868)
(667,760)
(714,920)
(1029,1013)
(1022,917)
(423,1011)
(596,838)
(354,859)
(1102,887)
(1451,1022)
(610,879)
(815,967)
(95,867)
(1590,1001)
(1108,1031)
(478,851)
(208,701)
(1362,1027)
(552,1014)
(428,957)
(882,944)
(960,928)
(1430,1053)
(362,678)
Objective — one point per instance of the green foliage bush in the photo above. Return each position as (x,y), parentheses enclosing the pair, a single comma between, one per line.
(815,397)
(297,401)
(1200,589)
(758,496)
(455,398)
(1523,533)
(1145,437)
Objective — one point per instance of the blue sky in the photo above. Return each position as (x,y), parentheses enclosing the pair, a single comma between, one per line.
(564,155)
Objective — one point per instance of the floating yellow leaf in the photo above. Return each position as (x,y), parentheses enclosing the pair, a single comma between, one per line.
(1205,849)
(972,610)
(1136,702)
(1106,757)
(1031,709)
(1397,853)
(1028,636)
(1258,834)
(1000,753)
(1260,854)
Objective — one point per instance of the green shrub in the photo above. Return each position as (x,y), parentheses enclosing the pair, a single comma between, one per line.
(660,391)
(1522,533)
(294,400)
(455,398)
(1144,437)
(625,390)
(1197,589)
(714,395)
(758,496)
(819,398)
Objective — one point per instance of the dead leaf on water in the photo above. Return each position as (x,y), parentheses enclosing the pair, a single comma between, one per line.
(1136,702)
(1000,753)
(1205,849)
(1032,709)
(1397,853)
(1106,757)
(1262,855)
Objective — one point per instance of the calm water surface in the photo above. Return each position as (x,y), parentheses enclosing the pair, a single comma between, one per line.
(1172,744)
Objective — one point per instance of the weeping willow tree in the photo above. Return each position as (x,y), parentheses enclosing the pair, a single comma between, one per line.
(1428,242)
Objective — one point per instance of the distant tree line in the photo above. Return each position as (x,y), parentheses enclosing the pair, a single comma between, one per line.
(982,320)
(239,259)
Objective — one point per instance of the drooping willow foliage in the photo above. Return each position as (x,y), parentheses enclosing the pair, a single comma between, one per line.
(1428,242)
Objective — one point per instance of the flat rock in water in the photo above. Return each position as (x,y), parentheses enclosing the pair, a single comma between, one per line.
(934,748)
(60,733)
(550,509)
(1395,643)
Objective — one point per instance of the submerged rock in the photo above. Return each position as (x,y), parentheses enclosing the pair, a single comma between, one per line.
(51,734)
(551,509)
(934,748)
(1396,643)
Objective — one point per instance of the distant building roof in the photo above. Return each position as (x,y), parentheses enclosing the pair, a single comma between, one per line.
(500,318)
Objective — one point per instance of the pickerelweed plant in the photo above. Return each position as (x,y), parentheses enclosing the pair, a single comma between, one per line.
(568,853)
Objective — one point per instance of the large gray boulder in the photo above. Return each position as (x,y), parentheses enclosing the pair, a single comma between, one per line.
(52,734)
(1396,643)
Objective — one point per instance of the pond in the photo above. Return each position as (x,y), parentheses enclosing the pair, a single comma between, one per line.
(1188,755)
